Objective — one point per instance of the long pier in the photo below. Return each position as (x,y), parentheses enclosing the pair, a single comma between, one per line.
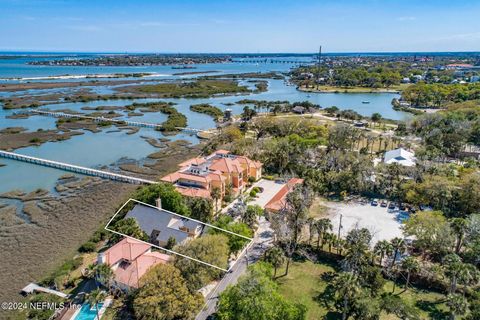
(272,61)
(101,119)
(74,168)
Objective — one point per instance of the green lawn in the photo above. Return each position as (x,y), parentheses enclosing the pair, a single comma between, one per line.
(303,284)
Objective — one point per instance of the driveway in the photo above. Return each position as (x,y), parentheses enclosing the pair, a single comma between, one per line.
(270,189)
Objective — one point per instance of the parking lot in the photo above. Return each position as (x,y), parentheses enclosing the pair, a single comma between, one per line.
(383,223)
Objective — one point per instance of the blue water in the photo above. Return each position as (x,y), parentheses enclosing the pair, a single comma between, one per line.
(88,313)
(105,148)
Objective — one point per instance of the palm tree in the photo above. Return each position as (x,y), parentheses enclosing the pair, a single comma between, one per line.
(104,275)
(382,248)
(410,264)
(216,195)
(399,246)
(346,286)
(340,245)
(458,305)
(276,258)
(322,226)
(94,298)
(459,227)
(330,240)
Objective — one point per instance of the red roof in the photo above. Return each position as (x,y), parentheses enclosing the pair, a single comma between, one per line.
(193,192)
(278,202)
(131,259)
(226,165)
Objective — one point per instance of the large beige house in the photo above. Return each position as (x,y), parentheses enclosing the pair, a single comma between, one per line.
(197,177)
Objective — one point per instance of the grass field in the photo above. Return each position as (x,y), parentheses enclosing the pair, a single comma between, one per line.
(303,284)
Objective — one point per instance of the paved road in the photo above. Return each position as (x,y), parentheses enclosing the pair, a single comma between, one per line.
(261,241)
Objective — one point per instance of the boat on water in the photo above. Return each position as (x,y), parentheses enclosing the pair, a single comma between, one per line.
(365,102)
(308,96)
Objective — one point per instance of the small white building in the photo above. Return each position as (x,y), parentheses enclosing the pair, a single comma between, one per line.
(400,156)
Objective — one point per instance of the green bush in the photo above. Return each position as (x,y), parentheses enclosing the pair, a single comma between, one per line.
(253,193)
(87,247)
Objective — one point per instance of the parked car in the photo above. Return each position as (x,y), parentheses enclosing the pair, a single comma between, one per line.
(383,203)
(402,207)
(374,202)
(391,205)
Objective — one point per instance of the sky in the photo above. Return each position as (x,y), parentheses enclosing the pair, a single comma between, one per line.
(259,26)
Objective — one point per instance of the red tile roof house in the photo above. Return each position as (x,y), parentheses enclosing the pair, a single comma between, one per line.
(129,260)
(198,176)
(279,201)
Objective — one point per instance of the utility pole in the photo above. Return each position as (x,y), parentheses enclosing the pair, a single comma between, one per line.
(340,226)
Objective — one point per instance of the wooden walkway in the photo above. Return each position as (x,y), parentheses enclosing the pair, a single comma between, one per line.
(74,168)
(103,119)
(32,287)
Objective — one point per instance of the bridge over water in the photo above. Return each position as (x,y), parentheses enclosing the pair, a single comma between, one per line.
(74,168)
(101,119)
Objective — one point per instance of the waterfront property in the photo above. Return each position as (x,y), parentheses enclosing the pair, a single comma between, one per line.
(129,260)
(162,226)
(400,156)
(198,177)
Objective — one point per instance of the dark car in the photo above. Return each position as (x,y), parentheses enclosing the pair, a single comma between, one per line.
(374,202)
(402,207)
(391,205)
(383,203)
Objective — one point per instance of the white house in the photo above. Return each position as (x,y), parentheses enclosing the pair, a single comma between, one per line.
(400,156)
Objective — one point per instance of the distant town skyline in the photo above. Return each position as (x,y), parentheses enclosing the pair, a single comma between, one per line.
(239,27)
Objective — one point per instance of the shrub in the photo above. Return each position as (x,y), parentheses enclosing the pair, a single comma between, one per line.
(87,247)
(253,193)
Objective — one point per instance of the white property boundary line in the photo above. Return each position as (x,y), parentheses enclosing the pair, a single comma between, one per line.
(171,251)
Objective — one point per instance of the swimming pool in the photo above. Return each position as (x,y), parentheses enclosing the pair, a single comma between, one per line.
(87,313)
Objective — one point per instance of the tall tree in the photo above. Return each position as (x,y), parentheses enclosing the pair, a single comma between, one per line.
(276,258)
(347,287)
(459,227)
(163,295)
(216,195)
(212,249)
(453,266)
(256,296)
(322,226)
(399,246)
(409,265)
(94,298)
(383,248)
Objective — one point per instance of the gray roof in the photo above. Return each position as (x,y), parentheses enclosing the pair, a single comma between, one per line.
(167,223)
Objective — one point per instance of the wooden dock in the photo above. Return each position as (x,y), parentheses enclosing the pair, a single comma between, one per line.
(74,168)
